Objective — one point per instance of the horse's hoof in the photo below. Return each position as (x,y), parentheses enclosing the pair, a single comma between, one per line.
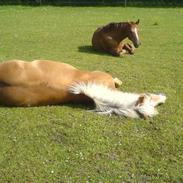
(122,53)
(131,53)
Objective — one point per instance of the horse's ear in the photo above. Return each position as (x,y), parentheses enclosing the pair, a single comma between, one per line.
(140,100)
(137,22)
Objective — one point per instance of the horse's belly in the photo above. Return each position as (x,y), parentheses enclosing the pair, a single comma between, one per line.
(19,96)
(32,96)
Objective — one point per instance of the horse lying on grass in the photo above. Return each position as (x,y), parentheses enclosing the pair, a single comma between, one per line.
(44,82)
(109,38)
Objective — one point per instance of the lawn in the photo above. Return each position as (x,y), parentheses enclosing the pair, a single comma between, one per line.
(57,144)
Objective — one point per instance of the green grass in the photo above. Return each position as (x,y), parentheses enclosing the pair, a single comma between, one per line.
(67,143)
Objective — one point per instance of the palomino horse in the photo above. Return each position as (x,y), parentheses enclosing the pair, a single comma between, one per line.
(109,38)
(44,82)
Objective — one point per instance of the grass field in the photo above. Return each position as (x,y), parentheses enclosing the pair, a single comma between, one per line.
(57,144)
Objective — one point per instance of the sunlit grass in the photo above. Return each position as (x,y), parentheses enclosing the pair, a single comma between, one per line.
(69,144)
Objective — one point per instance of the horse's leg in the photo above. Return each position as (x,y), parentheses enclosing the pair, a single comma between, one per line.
(121,49)
(15,96)
(129,48)
(111,46)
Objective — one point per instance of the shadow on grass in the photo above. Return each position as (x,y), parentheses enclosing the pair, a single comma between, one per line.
(86,105)
(74,105)
(81,106)
(89,49)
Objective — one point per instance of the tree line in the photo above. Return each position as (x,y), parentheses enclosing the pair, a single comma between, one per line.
(95,2)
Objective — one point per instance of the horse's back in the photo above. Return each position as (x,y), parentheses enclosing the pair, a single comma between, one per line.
(18,72)
(36,65)
(97,39)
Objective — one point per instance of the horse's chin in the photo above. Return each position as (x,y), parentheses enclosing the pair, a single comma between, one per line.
(136,45)
(147,111)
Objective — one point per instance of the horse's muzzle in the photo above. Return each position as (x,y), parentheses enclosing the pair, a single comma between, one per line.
(137,44)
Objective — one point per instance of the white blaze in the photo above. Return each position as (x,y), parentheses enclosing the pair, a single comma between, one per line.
(136,34)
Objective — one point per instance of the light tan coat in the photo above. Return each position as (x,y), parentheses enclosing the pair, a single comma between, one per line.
(44,82)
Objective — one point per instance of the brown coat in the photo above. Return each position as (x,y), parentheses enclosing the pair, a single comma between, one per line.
(109,38)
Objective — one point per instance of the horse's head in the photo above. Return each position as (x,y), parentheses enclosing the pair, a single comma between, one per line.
(146,104)
(133,33)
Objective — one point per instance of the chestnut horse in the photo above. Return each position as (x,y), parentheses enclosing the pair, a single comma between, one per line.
(109,38)
(44,82)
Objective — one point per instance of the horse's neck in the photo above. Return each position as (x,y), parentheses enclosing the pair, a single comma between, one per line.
(84,76)
(121,32)
(128,99)
(96,77)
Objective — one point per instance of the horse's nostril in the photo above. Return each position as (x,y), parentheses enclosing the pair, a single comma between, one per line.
(136,45)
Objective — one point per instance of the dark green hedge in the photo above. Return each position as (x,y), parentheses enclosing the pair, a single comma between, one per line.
(95,2)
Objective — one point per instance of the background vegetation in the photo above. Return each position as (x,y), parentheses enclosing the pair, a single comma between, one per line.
(67,143)
(97,2)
